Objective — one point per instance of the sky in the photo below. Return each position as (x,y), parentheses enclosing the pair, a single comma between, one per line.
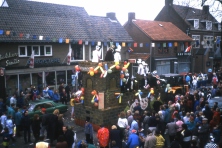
(144,9)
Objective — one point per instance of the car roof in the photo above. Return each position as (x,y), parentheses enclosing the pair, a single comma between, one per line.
(40,101)
(170,75)
(216,99)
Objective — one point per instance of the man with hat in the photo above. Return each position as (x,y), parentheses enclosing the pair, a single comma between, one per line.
(133,140)
(203,131)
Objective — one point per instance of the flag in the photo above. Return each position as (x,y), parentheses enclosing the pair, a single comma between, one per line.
(69,56)
(188,49)
(31,64)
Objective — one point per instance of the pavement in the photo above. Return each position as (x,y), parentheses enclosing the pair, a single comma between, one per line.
(67,121)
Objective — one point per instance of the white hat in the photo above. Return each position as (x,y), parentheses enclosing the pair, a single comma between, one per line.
(127,74)
(98,47)
(154,72)
(118,48)
(144,64)
(133,77)
(139,61)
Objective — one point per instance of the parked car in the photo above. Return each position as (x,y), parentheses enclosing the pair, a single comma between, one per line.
(216,99)
(36,106)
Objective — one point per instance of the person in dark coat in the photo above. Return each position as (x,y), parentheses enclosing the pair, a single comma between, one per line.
(109,54)
(68,91)
(26,123)
(36,127)
(203,133)
(68,134)
(52,125)
(59,126)
(208,113)
(114,135)
(61,143)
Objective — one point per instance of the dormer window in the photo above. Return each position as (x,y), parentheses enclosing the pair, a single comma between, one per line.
(208,25)
(3,3)
(218,25)
(194,23)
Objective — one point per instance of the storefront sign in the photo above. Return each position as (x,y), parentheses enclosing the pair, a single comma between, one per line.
(183,53)
(45,61)
(15,61)
(8,55)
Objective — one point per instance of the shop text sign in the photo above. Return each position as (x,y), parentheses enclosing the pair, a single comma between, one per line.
(183,53)
(45,61)
(8,55)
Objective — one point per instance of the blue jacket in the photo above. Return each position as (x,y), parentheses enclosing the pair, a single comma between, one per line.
(167,116)
(191,125)
(187,78)
(56,97)
(51,93)
(18,118)
(133,140)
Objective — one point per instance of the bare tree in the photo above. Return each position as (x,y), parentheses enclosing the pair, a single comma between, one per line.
(215,6)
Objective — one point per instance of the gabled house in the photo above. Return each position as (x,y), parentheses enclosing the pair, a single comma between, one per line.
(165,50)
(202,27)
(51,31)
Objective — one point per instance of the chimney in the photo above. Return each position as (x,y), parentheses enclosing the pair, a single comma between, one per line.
(111,15)
(131,16)
(206,9)
(168,2)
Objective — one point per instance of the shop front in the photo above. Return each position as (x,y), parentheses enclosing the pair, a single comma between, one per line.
(21,79)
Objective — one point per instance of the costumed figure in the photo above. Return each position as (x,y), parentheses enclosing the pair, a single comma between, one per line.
(110,53)
(142,71)
(131,84)
(96,54)
(117,55)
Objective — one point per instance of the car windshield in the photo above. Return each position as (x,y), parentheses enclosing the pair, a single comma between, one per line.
(31,107)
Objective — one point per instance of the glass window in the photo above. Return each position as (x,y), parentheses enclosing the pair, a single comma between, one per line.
(47,105)
(24,81)
(12,84)
(77,52)
(181,45)
(196,23)
(100,52)
(61,77)
(42,51)
(29,50)
(36,50)
(209,25)
(48,50)
(37,81)
(22,51)
(208,41)
(196,39)
(50,78)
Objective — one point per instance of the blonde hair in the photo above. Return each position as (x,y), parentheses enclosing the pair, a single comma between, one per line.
(60,117)
(56,112)
(113,127)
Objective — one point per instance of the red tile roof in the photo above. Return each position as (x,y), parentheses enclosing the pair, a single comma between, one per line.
(161,31)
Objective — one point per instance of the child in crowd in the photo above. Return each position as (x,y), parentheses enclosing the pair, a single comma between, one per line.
(6,137)
(72,103)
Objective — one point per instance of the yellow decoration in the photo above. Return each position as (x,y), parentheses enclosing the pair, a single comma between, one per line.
(123,44)
(127,65)
(67,41)
(116,63)
(91,73)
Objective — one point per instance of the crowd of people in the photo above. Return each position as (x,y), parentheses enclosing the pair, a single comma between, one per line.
(184,120)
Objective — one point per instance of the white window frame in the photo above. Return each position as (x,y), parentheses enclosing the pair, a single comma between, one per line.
(196,23)
(210,39)
(182,46)
(37,50)
(21,46)
(83,54)
(90,52)
(196,38)
(219,26)
(208,25)
(50,46)
(26,53)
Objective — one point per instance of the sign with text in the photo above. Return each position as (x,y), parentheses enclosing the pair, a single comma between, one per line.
(183,53)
